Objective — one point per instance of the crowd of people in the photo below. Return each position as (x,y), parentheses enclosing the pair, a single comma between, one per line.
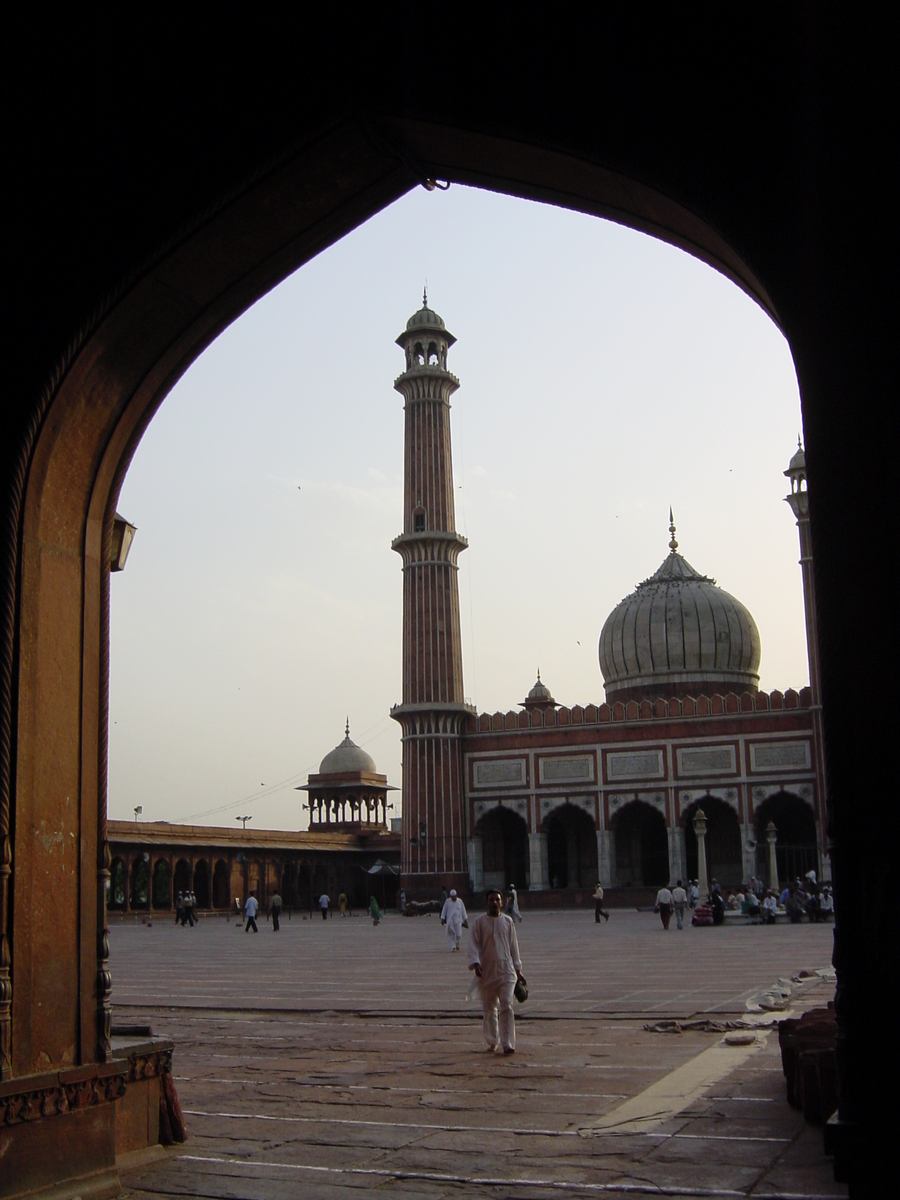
(803,897)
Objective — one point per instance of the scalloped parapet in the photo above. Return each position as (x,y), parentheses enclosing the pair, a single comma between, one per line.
(675,708)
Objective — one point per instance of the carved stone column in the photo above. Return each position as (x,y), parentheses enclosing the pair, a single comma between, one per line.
(537,853)
(772,838)
(702,873)
(475,848)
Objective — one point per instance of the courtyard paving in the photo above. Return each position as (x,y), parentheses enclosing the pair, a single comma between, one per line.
(336,1059)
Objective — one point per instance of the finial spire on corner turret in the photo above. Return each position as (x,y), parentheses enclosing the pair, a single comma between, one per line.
(425,295)
(347,728)
(673,544)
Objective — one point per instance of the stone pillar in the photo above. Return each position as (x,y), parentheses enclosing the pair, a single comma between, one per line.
(537,853)
(748,856)
(611,854)
(475,850)
(604,873)
(772,838)
(681,854)
(674,856)
(702,873)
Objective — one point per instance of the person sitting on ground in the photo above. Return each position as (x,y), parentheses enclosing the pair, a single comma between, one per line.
(793,906)
(769,908)
(734,901)
(826,904)
(751,905)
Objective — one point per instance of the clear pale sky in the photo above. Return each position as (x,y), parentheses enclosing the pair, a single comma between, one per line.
(604,376)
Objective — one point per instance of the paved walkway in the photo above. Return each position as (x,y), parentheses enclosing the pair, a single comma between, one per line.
(335,1059)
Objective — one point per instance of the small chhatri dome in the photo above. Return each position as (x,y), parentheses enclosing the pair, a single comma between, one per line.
(347,757)
(797,466)
(540,696)
(425,321)
(678,634)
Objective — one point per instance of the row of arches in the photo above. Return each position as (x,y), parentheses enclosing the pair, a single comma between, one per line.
(140,884)
(638,845)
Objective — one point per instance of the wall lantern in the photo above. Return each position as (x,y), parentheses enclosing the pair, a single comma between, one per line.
(122,534)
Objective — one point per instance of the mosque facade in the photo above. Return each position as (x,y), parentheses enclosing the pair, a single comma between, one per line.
(553,798)
(547,797)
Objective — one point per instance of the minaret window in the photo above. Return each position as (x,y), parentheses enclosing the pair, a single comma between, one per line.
(419,520)
(419,355)
(432,354)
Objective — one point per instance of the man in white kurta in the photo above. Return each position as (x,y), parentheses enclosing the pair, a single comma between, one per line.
(494,957)
(454,916)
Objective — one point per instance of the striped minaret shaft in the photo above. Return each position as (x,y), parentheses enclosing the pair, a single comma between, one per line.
(433,712)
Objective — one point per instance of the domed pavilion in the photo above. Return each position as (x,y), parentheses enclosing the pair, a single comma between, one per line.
(347,792)
(678,634)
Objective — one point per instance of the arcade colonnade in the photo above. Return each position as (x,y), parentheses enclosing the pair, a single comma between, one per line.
(224,865)
(634,792)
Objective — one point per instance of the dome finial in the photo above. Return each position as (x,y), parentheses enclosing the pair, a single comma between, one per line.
(539,674)
(673,545)
(425,295)
(347,728)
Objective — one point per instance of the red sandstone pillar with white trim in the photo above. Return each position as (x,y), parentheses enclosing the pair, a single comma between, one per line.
(433,712)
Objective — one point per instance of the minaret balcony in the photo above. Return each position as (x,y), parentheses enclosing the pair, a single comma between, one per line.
(429,547)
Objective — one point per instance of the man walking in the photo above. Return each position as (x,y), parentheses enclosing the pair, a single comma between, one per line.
(454,916)
(494,957)
(679,900)
(275,906)
(251,908)
(664,905)
(598,904)
(323,905)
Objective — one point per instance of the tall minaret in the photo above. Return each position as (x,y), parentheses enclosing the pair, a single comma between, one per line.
(799,502)
(432,712)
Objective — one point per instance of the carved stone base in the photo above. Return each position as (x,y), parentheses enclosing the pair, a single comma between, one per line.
(58,1132)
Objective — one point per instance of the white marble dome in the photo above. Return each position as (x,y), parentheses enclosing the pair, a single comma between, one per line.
(347,757)
(678,634)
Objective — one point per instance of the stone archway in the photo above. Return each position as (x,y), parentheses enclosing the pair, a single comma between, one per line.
(504,848)
(139,883)
(201,884)
(162,884)
(571,848)
(641,846)
(221,889)
(183,876)
(118,884)
(796,849)
(723,842)
(139,328)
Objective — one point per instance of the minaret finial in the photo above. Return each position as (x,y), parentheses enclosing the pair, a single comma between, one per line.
(799,443)
(673,545)
(347,728)
(425,295)
(539,674)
